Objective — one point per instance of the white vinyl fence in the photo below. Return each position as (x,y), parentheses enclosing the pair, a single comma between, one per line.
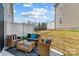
(19,29)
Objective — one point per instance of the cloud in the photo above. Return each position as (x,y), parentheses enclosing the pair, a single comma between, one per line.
(23,13)
(41,17)
(42,10)
(27,5)
(45,17)
(53,8)
(28,14)
(36,14)
(38,11)
(52,12)
(32,14)
(46,6)
(14,11)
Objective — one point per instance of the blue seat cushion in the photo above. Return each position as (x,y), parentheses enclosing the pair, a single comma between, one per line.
(31,39)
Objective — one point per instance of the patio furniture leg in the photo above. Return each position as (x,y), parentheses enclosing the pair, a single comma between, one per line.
(26,53)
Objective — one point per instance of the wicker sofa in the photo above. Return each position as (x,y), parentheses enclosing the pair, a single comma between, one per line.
(32,36)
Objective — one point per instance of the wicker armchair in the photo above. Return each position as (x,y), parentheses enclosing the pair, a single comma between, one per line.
(43,49)
(11,42)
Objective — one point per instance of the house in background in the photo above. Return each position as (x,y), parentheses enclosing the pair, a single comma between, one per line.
(67,16)
(51,25)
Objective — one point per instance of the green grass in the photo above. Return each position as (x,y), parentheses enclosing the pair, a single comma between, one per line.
(73,30)
(60,33)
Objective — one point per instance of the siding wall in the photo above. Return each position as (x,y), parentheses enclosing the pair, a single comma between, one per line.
(69,13)
(7,19)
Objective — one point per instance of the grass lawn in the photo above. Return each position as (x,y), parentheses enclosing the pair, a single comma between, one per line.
(66,41)
(60,33)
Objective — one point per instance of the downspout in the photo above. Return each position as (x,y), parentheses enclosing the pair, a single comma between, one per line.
(23,28)
(55,18)
(55,6)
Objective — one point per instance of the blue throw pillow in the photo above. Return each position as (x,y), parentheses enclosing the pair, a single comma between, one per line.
(33,35)
(46,41)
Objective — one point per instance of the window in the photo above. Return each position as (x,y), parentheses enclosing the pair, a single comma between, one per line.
(60,8)
(63,13)
(60,20)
